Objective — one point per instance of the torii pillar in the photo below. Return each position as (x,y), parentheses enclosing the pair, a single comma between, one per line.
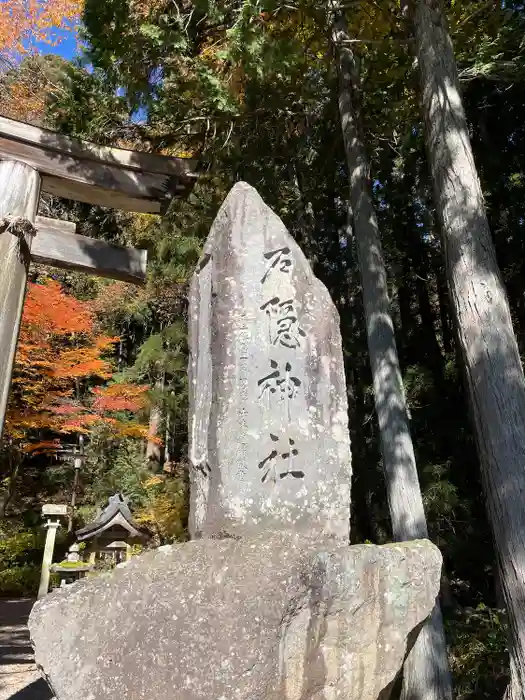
(19,194)
(34,159)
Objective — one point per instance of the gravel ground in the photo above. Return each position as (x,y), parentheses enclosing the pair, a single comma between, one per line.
(19,677)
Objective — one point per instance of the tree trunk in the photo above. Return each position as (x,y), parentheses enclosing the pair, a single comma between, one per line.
(421,267)
(305,216)
(447,333)
(408,326)
(153,449)
(495,379)
(426,674)
(154,446)
(406,506)
(10,489)
(78,461)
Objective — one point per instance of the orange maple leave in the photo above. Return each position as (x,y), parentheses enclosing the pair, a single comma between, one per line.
(120,397)
(58,352)
(23,22)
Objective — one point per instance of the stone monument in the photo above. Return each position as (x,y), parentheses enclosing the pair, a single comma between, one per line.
(268,601)
(269,440)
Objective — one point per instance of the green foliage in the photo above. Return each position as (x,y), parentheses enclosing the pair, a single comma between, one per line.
(478,652)
(90,106)
(21,548)
(20,559)
(19,581)
(114,467)
(165,510)
(159,502)
(65,564)
(163,352)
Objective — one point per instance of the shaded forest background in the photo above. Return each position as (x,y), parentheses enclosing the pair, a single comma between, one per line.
(250,89)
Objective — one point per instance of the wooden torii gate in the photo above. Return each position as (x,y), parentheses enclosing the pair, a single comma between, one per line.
(35,160)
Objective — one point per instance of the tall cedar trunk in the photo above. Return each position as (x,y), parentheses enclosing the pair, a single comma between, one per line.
(447,332)
(306,216)
(421,267)
(494,373)
(154,446)
(426,674)
(10,489)
(78,461)
(415,251)
(408,326)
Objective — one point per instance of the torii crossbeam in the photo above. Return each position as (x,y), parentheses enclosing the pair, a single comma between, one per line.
(34,160)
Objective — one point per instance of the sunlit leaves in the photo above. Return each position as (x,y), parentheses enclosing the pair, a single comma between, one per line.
(120,397)
(25,22)
(59,355)
(49,311)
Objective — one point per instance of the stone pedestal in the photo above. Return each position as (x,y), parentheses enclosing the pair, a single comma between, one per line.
(275,617)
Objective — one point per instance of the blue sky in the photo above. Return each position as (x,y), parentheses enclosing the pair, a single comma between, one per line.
(67,48)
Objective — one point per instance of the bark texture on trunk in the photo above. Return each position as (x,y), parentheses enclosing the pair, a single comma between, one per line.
(426,674)
(404,494)
(78,461)
(154,448)
(447,332)
(495,379)
(10,488)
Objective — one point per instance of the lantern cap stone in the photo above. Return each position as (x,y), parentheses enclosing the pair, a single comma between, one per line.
(54,509)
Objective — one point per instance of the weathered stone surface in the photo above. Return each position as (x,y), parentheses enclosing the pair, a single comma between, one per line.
(269,442)
(275,617)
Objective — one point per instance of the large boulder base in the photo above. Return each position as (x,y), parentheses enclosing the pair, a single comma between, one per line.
(274,617)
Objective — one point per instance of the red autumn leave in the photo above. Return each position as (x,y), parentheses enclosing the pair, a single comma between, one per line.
(120,397)
(59,352)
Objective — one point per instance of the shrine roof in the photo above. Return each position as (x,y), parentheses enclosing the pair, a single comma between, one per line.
(115,516)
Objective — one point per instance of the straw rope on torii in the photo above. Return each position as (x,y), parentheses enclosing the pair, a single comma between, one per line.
(34,160)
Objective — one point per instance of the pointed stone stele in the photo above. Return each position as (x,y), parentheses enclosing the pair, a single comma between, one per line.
(269,443)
